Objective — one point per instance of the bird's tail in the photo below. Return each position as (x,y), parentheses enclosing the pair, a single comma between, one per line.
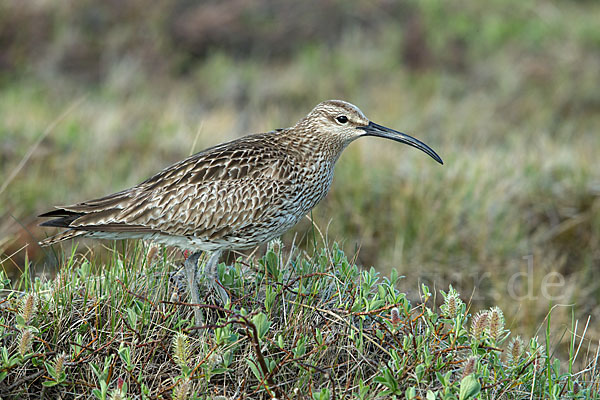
(70,234)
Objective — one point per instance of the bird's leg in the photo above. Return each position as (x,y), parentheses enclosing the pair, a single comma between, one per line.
(191,268)
(211,273)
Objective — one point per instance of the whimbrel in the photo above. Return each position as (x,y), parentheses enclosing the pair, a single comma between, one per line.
(232,196)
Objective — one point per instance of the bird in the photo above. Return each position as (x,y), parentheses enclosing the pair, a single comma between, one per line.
(233,196)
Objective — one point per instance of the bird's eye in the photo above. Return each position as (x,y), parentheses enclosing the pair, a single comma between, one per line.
(342,119)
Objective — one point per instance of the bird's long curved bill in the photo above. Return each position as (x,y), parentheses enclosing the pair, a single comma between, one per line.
(374,129)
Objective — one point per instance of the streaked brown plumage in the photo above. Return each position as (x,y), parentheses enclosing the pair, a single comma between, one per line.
(235,195)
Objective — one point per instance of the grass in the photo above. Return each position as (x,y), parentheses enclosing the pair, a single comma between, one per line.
(300,326)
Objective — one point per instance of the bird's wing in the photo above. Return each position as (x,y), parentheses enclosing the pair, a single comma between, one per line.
(220,189)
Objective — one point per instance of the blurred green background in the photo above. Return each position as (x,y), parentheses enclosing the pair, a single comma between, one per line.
(98,95)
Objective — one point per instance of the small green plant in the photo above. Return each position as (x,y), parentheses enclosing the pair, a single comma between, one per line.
(56,371)
(329,330)
(101,373)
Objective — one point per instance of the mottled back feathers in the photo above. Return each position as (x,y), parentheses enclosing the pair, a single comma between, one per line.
(233,195)
(211,195)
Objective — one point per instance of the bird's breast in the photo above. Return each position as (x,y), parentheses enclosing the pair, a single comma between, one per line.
(312,186)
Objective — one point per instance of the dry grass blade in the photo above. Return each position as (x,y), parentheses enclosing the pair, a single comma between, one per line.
(39,140)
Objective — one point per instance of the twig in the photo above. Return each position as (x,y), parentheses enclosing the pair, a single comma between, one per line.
(25,379)
(259,356)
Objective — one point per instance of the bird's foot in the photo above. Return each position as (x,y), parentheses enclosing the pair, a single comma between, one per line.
(209,277)
(204,274)
(178,286)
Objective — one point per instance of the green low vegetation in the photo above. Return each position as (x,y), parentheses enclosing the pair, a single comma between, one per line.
(299,327)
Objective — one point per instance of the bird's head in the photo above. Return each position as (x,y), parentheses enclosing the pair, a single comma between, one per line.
(344,122)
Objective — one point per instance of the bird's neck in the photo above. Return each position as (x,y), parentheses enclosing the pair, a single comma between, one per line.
(310,144)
